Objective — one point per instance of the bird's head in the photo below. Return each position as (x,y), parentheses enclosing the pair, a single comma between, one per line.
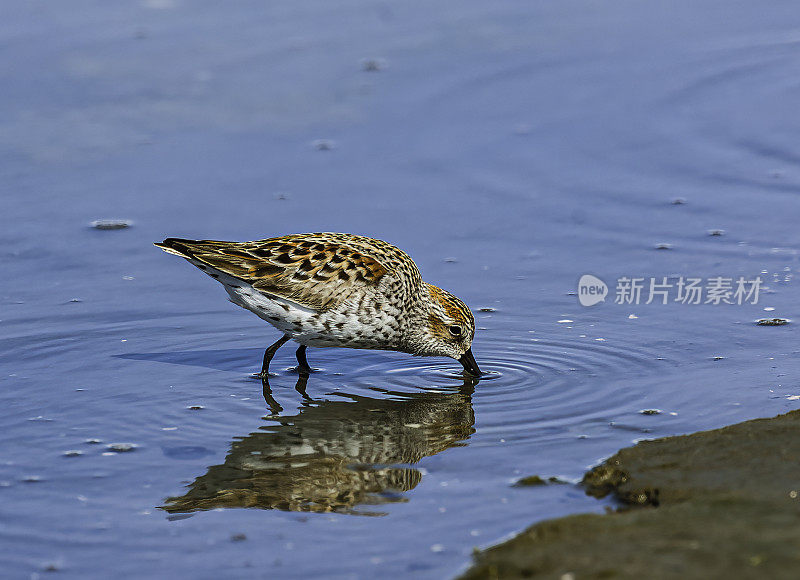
(448,329)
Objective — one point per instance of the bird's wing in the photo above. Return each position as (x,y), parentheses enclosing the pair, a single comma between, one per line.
(318,271)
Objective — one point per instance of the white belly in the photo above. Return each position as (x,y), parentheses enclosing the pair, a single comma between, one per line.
(338,327)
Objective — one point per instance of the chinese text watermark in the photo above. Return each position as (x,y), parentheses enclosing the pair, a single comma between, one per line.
(713,290)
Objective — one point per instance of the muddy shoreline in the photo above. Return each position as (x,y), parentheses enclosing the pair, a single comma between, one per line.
(713,504)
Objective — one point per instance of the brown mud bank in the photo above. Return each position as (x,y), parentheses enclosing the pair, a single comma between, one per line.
(715,504)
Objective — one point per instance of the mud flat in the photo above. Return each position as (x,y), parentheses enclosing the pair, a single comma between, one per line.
(714,504)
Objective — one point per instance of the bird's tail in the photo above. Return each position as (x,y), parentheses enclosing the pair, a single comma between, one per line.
(177,246)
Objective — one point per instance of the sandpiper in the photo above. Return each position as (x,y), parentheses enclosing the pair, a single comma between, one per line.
(336,290)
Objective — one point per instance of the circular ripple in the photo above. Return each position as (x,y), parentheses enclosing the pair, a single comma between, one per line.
(532,360)
(531,383)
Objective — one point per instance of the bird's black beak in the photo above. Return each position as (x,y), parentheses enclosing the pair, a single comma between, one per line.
(469,364)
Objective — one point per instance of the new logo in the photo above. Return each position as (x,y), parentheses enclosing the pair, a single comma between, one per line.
(591,290)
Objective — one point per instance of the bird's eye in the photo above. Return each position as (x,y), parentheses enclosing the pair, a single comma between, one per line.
(455,330)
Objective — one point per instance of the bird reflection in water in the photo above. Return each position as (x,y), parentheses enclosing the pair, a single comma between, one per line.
(335,455)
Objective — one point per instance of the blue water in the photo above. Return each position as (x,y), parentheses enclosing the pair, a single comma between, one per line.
(508,147)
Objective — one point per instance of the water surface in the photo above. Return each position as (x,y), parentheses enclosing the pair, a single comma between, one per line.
(509,148)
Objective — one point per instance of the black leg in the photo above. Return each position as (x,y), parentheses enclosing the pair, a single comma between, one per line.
(302,363)
(270,352)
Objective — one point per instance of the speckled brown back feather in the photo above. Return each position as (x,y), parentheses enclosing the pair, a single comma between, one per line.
(318,271)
